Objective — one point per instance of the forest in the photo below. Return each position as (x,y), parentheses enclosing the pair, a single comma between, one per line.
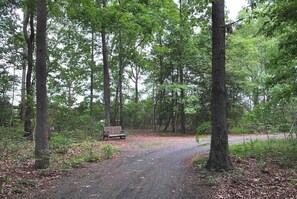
(144,65)
(154,58)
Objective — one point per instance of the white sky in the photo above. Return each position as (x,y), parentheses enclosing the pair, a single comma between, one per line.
(234,6)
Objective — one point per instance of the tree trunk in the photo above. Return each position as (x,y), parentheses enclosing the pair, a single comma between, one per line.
(12,101)
(136,84)
(154,107)
(181,73)
(23,90)
(42,156)
(114,119)
(92,76)
(255,97)
(121,71)
(219,154)
(106,74)
(29,20)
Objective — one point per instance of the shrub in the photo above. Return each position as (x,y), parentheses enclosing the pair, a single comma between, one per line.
(283,128)
(239,131)
(61,142)
(108,151)
(283,151)
(204,128)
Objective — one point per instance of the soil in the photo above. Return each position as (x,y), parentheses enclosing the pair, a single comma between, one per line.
(146,167)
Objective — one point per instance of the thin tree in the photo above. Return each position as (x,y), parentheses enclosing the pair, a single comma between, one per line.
(23,90)
(105,73)
(92,74)
(29,38)
(181,70)
(42,156)
(121,71)
(219,153)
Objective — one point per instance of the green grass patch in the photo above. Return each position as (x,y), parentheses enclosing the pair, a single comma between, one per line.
(11,141)
(210,180)
(60,142)
(284,151)
(239,131)
(200,162)
(108,151)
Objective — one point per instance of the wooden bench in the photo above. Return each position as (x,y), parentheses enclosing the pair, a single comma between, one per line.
(113,131)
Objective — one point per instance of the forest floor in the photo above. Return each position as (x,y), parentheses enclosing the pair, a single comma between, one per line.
(153,167)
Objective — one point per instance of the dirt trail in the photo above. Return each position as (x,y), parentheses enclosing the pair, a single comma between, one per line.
(152,169)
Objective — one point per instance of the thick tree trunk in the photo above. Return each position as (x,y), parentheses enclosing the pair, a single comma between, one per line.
(42,156)
(219,153)
(106,75)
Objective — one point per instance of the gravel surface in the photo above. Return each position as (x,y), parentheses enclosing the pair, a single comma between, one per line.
(156,167)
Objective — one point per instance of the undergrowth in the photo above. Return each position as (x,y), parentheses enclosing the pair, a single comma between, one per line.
(284,151)
(68,149)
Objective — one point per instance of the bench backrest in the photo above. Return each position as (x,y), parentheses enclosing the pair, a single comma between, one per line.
(113,129)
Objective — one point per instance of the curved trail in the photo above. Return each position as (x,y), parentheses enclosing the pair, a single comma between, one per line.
(153,172)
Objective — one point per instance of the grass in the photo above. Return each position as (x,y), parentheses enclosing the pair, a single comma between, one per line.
(108,151)
(280,151)
(68,150)
(210,180)
(284,151)
(11,142)
(200,162)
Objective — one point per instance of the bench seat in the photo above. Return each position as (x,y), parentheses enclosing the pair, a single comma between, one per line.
(113,131)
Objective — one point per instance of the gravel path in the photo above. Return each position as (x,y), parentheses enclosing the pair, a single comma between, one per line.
(156,169)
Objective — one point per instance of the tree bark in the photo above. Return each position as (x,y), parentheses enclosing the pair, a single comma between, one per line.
(29,20)
(42,156)
(121,71)
(137,70)
(181,73)
(92,76)
(23,90)
(219,154)
(106,74)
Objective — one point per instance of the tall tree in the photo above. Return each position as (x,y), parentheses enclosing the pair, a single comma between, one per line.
(29,38)
(42,156)
(92,74)
(105,72)
(181,70)
(121,71)
(219,152)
